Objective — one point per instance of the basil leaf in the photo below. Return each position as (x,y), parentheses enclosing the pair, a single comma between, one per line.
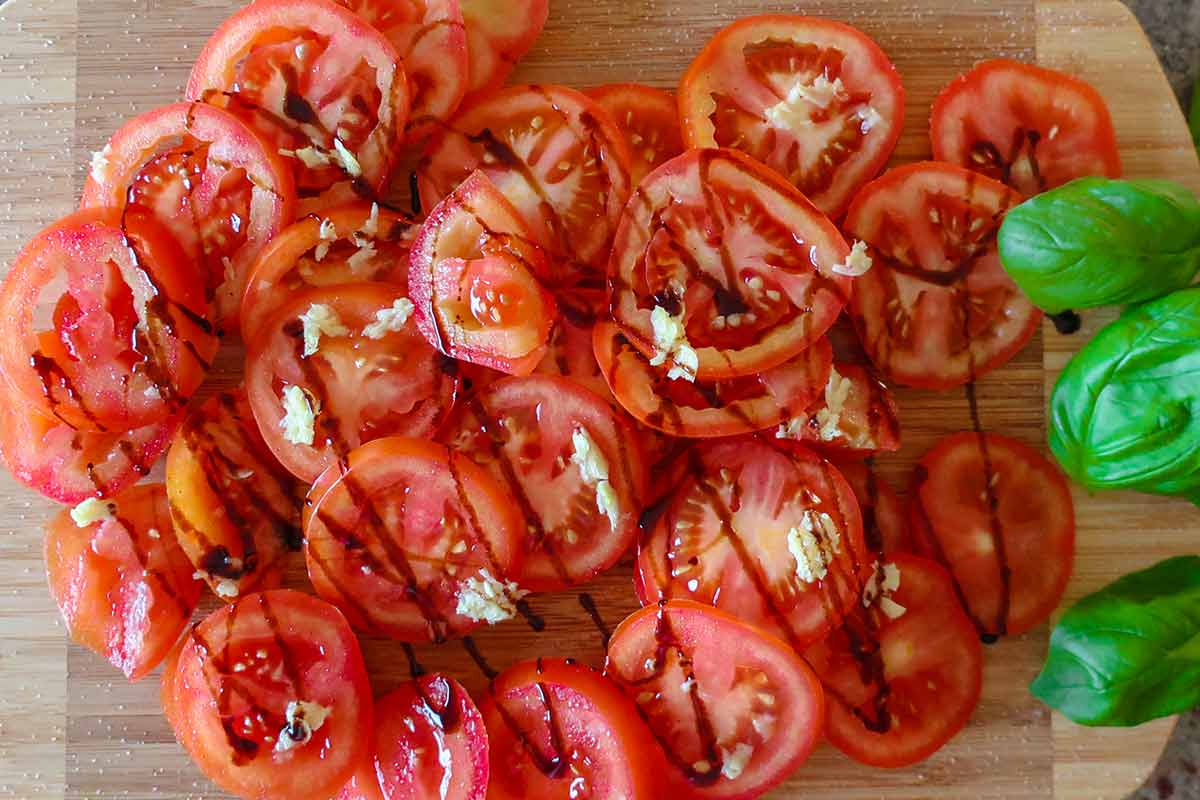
(1130,652)
(1125,412)
(1098,242)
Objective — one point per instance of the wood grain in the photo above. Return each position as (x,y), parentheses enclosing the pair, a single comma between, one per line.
(71,71)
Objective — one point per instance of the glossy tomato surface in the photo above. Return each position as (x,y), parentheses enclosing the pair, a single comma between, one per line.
(736,711)
(856,413)
(649,118)
(499,33)
(885,516)
(816,100)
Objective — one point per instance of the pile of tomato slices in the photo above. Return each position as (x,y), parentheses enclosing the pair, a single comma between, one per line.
(613,324)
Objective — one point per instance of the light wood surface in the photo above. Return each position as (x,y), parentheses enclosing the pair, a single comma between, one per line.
(71,70)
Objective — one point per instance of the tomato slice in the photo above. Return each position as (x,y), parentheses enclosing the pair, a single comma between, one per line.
(319,83)
(569,352)
(816,100)
(556,155)
(936,309)
(885,518)
(431,40)
(237,511)
(903,677)
(499,34)
(736,711)
(126,343)
(413,541)
(348,244)
(218,187)
(270,696)
(71,465)
(472,277)
(999,516)
(773,537)
(1030,127)
(703,409)
(649,118)
(855,414)
(560,730)
(573,464)
(124,587)
(717,244)
(371,375)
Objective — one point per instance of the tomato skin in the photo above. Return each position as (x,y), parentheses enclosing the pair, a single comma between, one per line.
(609,744)
(1062,125)
(315,659)
(707,637)
(499,34)
(650,120)
(124,587)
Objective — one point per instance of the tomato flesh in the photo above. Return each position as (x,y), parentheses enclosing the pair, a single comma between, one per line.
(885,517)
(499,33)
(649,118)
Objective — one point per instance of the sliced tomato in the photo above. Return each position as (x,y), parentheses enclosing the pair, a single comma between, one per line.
(649,118)
(573,464)
(556,155)
(371,375)
(816,100)
(855,414)
(773,537)
(714,242)
(219,188)
(413,541)
(326,89)
(704,409)
(348,244)
(71,465)
(431,40)
(569,352)
(124,587)
(936,309)
(236,510)
(904,675)
(270,697)
(104,323)
(736,711)
(999,516)
(472,278)
(499,34)
(1030,127)
(560,730)
(885,518)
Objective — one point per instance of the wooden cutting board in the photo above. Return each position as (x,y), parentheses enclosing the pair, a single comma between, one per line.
(72,70)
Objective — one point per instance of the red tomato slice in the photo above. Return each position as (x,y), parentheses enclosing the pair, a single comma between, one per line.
(773,537)
(413,541)
(569,352)
(573,464)
(936,309)
(999,516)
(499,34)
(703,409)
(560,730)
(855,414)
(885,519)
(352,243)
(236,510)
(556,155)
(270,697)
(815,100)
(471,277)
(219,188)
(739,258)
(372,375)
(124,587)
(315,80)
(430,38)
(69,465)
(1027,126)
(736,711)
(899,685)
(649,118)
(126,344)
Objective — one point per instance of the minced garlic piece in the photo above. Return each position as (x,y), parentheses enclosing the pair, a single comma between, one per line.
(320,320)
(593,469)
(362,257)
(313,158)
(868,117)
(890,607)
(857,263)
(370,228)
(303,719)
(486,599)
(734,762)
(792,112)
(347,158)
(226,588)
(91,510)
(670,341)
(389,320)
(299,417)
(811,558)
(837,391)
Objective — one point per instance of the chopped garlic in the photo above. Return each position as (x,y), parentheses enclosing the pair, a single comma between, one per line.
(153,533)
(304,718)
(320,320)
(312,157)
(389,320)
(91,510)
(857,263)
(880,589)
(370,228)
(361,258)
(320,251)
(868,117)
(811,558)
(100,164)
(298,416)
(733,762)
(593,469)
(670,341)
(226,588)
(792,111)
(891,577)
(486,599)
(328,231)
(890,607)
(837,391)
(606,502)
(347,158)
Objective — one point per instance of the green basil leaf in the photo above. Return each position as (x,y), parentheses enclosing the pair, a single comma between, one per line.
(1098,242)
(1125,413)
(1130,652)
